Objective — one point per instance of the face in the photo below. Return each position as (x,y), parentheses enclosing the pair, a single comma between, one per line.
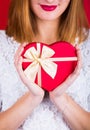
(48,9)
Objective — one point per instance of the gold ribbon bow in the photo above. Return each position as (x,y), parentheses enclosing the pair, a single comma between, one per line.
(42,59)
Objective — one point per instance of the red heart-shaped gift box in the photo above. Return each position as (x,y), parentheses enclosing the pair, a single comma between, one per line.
(64,67)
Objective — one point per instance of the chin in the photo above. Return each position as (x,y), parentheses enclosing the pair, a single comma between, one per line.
(48,18)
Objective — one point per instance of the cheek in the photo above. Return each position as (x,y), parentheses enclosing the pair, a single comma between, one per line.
(63,7)
(34,7)
(51,15)
(33,4)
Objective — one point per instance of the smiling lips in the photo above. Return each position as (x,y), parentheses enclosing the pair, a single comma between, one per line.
(48,7)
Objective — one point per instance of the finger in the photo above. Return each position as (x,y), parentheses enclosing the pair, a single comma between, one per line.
(79,62)
(22,75)
(24,44)
(19,50)
(77,69)
(78,52)
(21,72)
(19,67)
(18,54)
(72,77)
(31,85)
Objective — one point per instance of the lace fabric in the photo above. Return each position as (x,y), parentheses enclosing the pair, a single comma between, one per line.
(85,49)
(46,115)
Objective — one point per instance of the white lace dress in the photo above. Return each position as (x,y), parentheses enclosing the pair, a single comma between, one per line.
(45,116)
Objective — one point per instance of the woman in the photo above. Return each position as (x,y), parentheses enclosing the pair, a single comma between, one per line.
(22,102)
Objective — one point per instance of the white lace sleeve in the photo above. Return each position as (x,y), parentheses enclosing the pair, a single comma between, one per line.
(86,66)
(80,89)
(0,97)
(3,61)
(0,89)
(1,71)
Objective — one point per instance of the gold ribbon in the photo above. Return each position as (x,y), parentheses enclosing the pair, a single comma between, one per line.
(42,59)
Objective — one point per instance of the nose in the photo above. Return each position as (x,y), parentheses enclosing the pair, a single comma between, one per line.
(50,1)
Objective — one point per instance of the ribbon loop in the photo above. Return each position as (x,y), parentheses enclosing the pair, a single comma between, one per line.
(38,60)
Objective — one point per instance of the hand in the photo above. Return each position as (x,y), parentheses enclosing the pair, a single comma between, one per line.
(70,79)
(35,90)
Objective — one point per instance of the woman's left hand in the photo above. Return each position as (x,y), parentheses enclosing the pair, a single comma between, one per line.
(70,79)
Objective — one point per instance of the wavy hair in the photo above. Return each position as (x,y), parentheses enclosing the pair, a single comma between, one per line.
(23,27)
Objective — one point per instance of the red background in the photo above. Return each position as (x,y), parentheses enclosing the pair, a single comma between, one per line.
(4,6)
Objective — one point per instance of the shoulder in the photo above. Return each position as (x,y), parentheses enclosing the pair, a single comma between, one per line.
(8,48)
(2,33)
(86,44)
(3,40)
(3,36)
(7,43)
(85,48)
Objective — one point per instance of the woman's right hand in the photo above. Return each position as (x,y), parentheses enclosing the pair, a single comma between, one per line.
(34,89)
(61,89)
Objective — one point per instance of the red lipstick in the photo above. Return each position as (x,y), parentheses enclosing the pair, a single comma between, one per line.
(48,7)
